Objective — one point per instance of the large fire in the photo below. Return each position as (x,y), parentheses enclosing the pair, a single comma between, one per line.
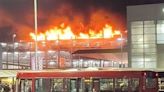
(65,32)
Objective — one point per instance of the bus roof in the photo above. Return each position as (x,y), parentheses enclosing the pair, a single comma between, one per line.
(81,72)
(87,69)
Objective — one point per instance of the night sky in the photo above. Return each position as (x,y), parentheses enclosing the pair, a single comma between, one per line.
(16,16)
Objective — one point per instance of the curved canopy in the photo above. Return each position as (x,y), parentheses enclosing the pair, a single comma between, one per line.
(8,73)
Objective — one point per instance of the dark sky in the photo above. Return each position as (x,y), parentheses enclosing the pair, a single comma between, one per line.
(16,16)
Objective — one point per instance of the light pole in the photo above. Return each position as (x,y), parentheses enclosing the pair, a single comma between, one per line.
(58,52)
(36,32)
(121,50)
(14,35)
(37,65)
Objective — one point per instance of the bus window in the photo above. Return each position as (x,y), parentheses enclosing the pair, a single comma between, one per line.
(73,85)
(96,85)
(25,85)
(121,85)
(88,85)
(57,85)
(106,85)
(161,84)
(38,85)
(42,85)
(134,85)
(150,82)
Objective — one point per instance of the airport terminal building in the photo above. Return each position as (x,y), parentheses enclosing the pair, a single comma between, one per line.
(145,25)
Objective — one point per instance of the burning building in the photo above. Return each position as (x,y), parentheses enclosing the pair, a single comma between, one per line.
(68,37)
(59,47)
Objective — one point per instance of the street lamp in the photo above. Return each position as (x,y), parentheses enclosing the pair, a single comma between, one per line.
(14,35)
(121,51)
(36,65)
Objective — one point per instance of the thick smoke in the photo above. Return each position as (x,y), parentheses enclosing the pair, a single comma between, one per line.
(79,15)
(17,16)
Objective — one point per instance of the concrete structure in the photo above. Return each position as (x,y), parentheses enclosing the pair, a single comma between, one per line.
(146,36)
(68,54)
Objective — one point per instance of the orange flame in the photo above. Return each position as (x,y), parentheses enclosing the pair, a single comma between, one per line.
(65,32)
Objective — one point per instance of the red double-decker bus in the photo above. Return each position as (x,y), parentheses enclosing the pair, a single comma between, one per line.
(87,80)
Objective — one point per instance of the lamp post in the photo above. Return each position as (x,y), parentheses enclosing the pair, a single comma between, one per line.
(58,52)
(14,35)
(121,50)
(36,29)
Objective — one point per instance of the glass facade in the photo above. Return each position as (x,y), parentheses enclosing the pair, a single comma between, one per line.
(145,25)
(160,32)
(145,37)
(143,45)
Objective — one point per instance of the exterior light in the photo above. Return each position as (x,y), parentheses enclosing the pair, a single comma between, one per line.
(3,44)
(52,63)
(4,52)
(162,9)
(28,52)
(16,43)
(15,52)
(14,35)
(50,51)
